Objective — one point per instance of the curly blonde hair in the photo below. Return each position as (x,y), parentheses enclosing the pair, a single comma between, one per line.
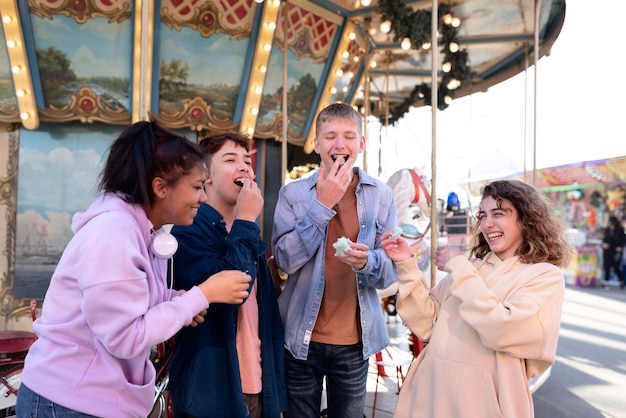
(542,231)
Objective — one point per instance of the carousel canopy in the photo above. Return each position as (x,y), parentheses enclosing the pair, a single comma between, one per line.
(220,65)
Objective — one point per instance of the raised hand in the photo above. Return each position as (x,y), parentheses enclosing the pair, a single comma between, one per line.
(396,249)
(227,286)
(356,256)
(250,201)
(333,182)
(444,254)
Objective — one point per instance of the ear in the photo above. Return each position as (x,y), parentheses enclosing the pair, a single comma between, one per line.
(159,187)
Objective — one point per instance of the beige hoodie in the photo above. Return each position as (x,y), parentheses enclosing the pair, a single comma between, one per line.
(490,325)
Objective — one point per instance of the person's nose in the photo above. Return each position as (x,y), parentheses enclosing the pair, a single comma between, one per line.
(247,169)
(486,223)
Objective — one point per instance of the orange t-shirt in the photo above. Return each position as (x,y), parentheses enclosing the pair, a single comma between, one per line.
(338,320)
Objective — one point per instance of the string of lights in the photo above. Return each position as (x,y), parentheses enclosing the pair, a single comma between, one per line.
(412,29)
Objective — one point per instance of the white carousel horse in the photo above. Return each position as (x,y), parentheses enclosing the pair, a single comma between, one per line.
(410,187)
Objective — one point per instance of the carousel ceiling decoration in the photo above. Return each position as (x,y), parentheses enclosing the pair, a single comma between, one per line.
(209,65)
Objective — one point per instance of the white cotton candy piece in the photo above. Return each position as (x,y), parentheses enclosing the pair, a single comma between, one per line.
(341,246)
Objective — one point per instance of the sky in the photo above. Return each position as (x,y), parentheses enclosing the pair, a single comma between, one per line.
(580,110)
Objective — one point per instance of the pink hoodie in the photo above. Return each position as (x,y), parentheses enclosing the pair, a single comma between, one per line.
(106,306)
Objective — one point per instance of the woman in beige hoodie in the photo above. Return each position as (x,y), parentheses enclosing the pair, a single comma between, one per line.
(493,321)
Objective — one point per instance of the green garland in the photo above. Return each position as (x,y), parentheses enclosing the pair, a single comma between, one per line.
(416,25)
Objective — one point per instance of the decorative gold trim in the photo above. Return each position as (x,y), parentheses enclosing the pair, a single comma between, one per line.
(206,19)
(10,307)
(256,82)
(143,57)
(275,130)
(196,114)
(18,63)
(9,115)
(87,107)
(82,10)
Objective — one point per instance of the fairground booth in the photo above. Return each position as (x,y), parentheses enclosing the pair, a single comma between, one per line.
(585,194)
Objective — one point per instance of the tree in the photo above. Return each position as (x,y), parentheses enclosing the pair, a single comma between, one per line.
(54,66)
(173,75)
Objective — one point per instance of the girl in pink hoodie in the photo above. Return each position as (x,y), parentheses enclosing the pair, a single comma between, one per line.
(108,301)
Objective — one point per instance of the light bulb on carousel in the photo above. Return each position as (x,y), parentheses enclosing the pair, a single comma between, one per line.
(453,84)
(385,27)
(406,44)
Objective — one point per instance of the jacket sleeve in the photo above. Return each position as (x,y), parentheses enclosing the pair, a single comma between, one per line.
(522,322)
(205,250)
(416,305)
(299,230)
(117,298)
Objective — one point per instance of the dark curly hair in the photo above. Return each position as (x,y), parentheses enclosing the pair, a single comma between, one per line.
(542,231)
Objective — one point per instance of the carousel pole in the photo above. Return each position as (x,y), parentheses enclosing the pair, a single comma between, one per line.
(433,161)
(283,159)
(142,59)
(366,99)
(525,105)
(536,59)
(380,164)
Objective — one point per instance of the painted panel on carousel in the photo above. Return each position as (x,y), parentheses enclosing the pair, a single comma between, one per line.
(309,41)
(8,102)
(57,176)
(82,51)
(201,51)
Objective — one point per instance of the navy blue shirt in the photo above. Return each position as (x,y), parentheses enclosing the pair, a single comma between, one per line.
(204,371)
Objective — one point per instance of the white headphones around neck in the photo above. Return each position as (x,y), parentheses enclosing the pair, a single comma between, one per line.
(164,245)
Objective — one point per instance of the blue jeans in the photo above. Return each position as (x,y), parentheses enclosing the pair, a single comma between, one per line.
(346,381)
(31,405)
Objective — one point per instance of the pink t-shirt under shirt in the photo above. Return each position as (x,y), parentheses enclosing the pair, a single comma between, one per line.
(249,345)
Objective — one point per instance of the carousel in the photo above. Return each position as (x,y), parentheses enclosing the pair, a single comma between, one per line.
(74,73)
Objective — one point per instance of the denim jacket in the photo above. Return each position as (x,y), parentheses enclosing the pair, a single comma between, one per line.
(298,244)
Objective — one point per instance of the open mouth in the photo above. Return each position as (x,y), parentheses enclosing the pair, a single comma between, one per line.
(342,158)
(239,182)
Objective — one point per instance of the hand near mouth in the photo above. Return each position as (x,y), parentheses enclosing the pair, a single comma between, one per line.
(333,182)
(249,202)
